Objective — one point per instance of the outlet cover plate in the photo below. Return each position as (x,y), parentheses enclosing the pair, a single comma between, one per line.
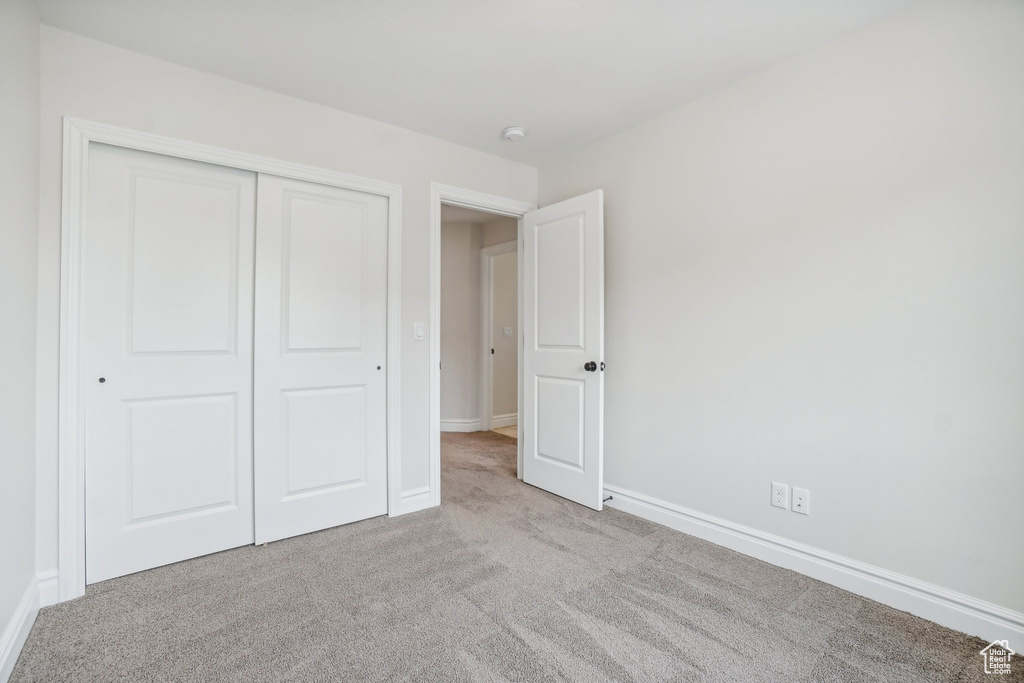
(780,495)
(801,501)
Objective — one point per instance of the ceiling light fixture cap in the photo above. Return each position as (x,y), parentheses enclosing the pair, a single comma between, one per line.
(514,133)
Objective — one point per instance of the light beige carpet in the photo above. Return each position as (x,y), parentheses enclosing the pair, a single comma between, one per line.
(503,582)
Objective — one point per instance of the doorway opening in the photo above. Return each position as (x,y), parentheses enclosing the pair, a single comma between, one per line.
(560,366)
(479,321)
(487,208)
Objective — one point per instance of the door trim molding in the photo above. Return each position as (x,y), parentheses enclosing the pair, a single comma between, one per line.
(455,196)
(487,255)
(78,134)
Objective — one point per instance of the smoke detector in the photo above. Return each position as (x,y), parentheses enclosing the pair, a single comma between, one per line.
(514,133)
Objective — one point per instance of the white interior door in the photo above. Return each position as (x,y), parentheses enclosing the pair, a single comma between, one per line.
(563,348)
(321,341)
(167,301)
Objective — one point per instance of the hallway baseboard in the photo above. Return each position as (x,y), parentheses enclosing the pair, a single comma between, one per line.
(471,425)
(506,420)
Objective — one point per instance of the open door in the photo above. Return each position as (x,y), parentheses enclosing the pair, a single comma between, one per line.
(563,349)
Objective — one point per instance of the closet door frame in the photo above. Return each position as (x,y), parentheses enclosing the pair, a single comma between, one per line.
(78,136)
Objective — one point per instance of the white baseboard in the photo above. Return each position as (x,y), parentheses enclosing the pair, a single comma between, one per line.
(414,500)
(474,425)
(460,425)
(504,420)
(48,588)
(16,631)
(948,608)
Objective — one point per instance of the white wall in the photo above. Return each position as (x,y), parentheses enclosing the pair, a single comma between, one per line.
(94,81)
(505,313)
(19,234)
(460,325)
(816,276)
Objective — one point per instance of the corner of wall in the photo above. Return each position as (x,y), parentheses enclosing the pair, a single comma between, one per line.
(19,199)
(17,629)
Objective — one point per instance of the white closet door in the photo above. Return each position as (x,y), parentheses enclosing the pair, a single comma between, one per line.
(167,304)
(321,326)
(563,348)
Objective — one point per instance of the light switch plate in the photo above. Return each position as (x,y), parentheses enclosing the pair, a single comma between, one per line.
(418,333)
(508,332)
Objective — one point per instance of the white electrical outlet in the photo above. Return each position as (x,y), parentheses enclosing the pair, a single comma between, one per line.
(780,495)
(801,501)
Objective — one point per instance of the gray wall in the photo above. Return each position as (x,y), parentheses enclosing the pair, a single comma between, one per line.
(816,276)
(19,228)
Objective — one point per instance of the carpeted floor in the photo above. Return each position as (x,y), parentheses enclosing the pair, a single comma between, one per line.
(503,582)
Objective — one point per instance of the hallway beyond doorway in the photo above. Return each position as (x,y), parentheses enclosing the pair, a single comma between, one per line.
(511,430)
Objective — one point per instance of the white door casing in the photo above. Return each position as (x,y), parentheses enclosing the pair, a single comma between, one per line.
(167,301)
(490,333)
(320,357)
(563,329)
(470,199)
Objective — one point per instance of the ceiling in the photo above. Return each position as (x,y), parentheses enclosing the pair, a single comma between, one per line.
(569,71)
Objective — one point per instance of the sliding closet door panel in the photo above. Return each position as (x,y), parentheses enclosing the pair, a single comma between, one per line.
(167,304)
(320,344)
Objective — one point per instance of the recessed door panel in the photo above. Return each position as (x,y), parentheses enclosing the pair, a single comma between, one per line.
(558,296)
(184,263)
(320,374)
(561,406)
(167,299)
(563,348)
(324,271)
(183,455)
(325,439)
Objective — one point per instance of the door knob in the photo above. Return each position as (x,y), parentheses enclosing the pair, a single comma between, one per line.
(590,366)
